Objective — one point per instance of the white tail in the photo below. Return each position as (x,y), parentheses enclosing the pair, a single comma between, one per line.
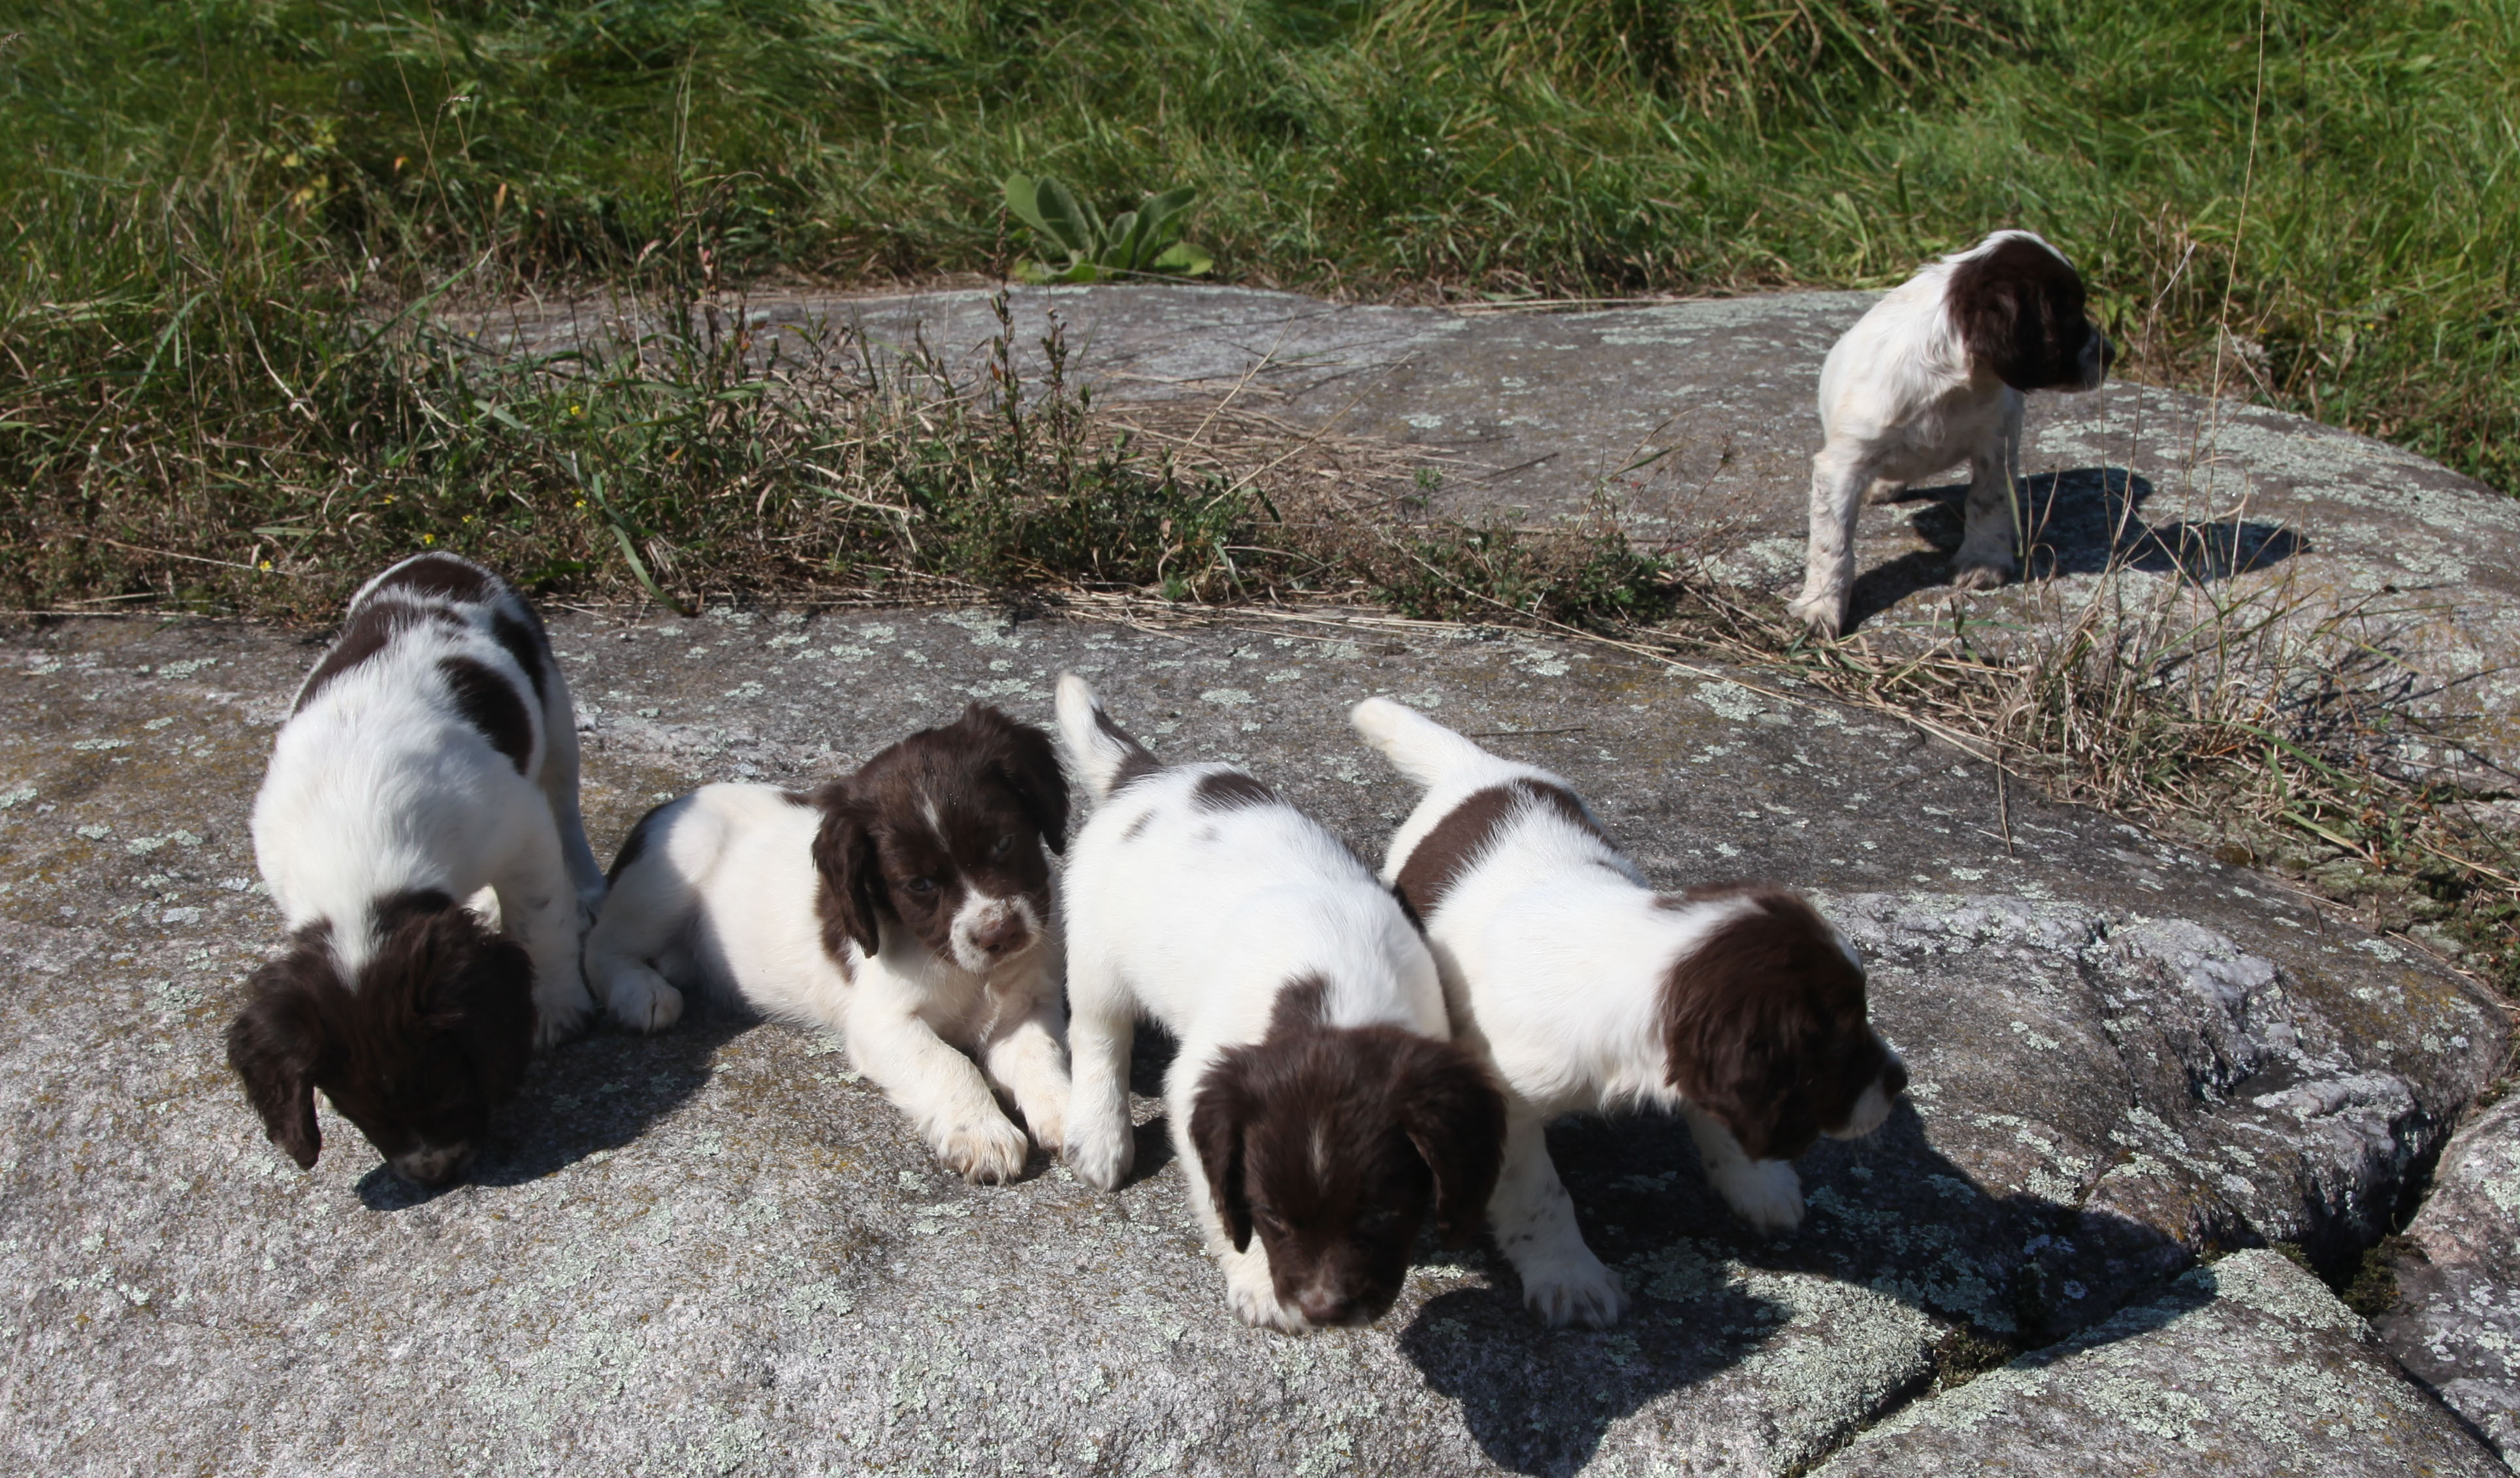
(1099,749)
(1416,746)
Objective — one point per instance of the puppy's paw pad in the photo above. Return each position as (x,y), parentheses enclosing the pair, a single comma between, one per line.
(1564,1291)
(1980,576)
(644,1002)
(985,1154)
(1766,1193)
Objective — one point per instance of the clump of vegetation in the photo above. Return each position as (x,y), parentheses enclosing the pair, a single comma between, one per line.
(1142,243)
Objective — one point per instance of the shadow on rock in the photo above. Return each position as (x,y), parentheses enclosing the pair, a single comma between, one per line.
(1893,1230)
(2084,521)
(598,1093)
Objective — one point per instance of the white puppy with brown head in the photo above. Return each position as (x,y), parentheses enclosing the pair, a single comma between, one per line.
(907,907)
(1933,376)
(1739,1007)
(1316,1104)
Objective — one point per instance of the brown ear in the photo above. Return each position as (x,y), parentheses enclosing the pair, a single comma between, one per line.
(1455,1115)
(1216,1123)
(485,982)
(276,1044)
(1745,1015)
(1028,763)
(852,880)
(2014,308)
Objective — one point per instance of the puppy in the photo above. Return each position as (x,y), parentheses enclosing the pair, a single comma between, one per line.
(1587,991)
(429,754)
(1934,375)
(1315,1104)
(907,907)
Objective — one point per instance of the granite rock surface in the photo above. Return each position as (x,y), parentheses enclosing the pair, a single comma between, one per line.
(2456,1321)
(718,1250)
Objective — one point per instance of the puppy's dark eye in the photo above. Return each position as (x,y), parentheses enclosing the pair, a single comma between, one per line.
(1004,845)
(920,885)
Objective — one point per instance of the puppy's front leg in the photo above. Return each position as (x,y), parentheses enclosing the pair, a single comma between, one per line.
(938,1087)
(1839,478)
(560,790)
(1100,1142)
(1766,1193)
(1991,530)
(1534,1219)
(1023,1056)
(541,912)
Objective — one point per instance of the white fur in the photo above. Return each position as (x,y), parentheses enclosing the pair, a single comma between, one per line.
(379,785)
(725,895)
(1553,952)
(1900,400)
(1198,921)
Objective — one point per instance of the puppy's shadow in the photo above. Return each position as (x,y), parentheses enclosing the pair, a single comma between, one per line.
(1890,1222)
(2082,520)
(599,1092)
(1150,1056)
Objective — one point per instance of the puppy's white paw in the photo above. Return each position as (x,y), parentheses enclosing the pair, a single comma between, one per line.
(1823,614)
(1766,1193)
(1572,1287)
(1980,573)
(643,1000)
(1048,1122)
(983,1153)
(561,1012)
(1253,1296)
(1098,1153)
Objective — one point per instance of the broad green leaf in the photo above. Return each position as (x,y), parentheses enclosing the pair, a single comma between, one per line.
(1183,258)
(1072,223)
(1022,198)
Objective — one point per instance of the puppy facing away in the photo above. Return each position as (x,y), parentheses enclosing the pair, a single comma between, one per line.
(1934,376)
(429,754)
(1315,1104)
(907,907)
(1739,1006)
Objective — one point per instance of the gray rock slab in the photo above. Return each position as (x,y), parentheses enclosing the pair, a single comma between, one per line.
(2245,1369)
(719,1249)
(1692,423)
(2456,1321)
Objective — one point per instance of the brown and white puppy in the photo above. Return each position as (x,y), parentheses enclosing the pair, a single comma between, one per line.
(1315,1102)
(1587,991)
(907,907)
(432,753)
(1932,376)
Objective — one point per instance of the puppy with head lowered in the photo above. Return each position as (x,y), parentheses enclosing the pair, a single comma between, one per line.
(1932,376)
(907,907)
(1737,1006)
(432,753)
(1317,1105)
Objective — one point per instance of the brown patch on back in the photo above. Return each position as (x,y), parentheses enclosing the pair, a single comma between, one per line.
(1447,853)
(1764,1023)
(371,630)
(2020,310)
(1229,790)
(526,644)
(490,703)
(438,576)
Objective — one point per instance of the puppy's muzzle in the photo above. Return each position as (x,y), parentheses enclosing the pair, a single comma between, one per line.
(1874,1105)
(433,1165)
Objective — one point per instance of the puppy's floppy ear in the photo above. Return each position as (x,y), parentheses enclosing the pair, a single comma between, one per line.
(1217,1120)
(485,982)
(1745,1016)
(844,855)
(2019,311)
(277,1043)
(1028,763)
(1455,1115)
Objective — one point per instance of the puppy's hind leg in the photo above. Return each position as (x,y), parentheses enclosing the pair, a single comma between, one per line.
(1533,1221)
(1839,482)
(560,789)
(1766,1193)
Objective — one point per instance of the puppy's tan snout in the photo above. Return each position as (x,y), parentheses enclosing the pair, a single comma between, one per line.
(1323,1305)
(433,1165)
(1005,934)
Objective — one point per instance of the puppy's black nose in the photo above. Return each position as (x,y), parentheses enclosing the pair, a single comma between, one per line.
(1894,1077)
(1322,1306)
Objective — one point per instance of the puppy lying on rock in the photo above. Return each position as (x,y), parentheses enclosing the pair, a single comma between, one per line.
(1316,1104)
(1737,1006)
(907,907)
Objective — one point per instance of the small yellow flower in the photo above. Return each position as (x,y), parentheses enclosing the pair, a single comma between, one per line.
(578,410)
(266,564)
(581,503)
(429,539)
